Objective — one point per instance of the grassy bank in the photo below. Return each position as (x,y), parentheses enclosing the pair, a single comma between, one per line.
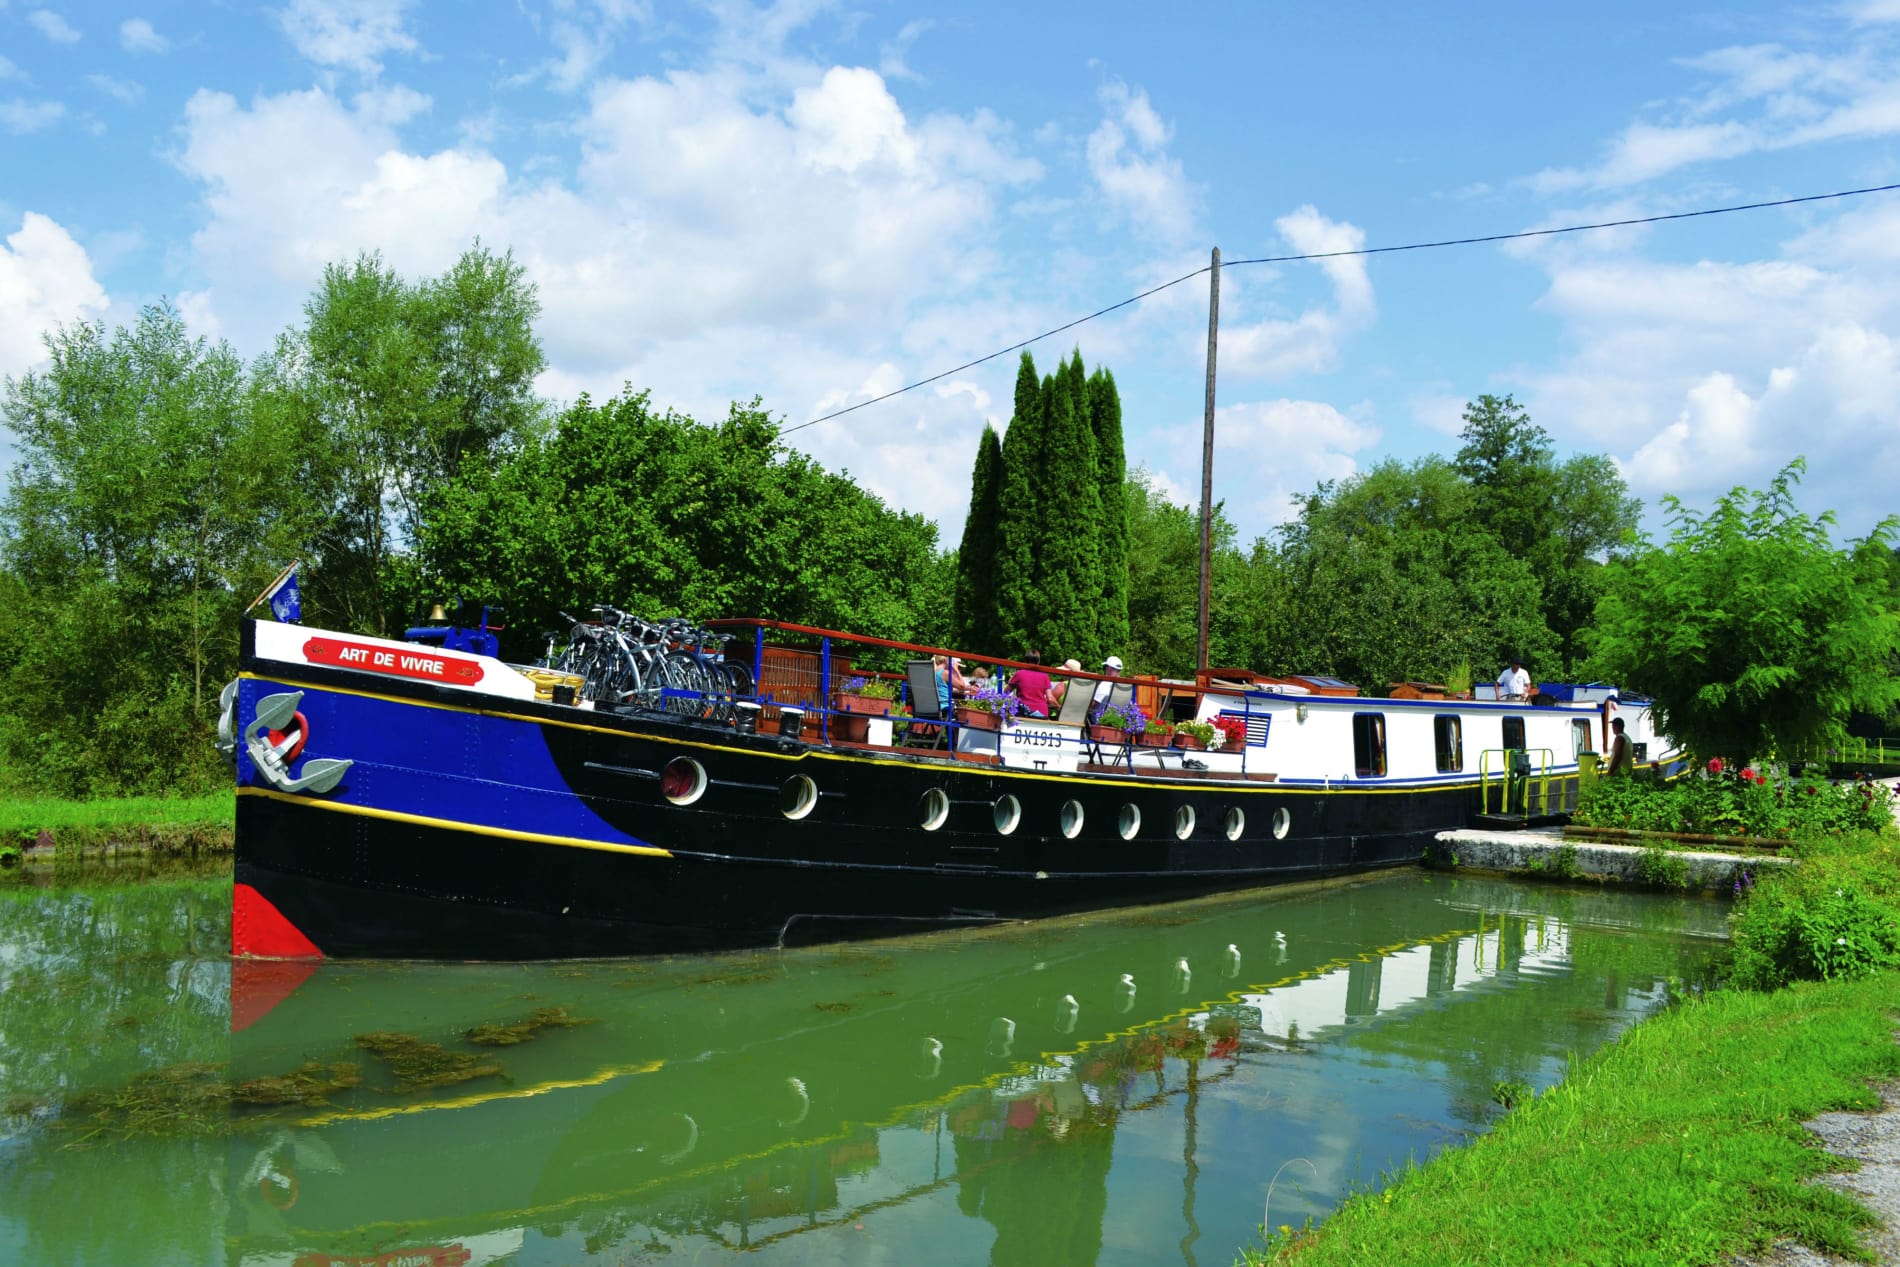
(158,823)
(1680,1143)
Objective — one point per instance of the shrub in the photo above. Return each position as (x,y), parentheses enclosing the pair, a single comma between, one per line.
(1729,803)
(1836,914)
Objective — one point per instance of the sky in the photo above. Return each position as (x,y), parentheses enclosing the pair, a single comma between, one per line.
(814,203)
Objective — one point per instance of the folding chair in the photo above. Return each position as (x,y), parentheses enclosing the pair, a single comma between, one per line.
(925,708)
(1119,696)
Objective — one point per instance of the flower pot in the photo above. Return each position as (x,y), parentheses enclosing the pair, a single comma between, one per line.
(867,705)
(1148,739)
(850,727)
(977,718)
(1108,734)
(1192,743)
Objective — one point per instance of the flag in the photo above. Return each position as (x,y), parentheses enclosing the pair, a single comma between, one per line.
(286,602)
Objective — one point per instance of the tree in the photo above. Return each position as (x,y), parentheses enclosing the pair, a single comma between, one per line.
(976,626)
(658,514)
(147,505)
(1020,526)
(389,386)
(1105,420)
(1068,512)
(1558,518)
(1753,634)
(1391,576)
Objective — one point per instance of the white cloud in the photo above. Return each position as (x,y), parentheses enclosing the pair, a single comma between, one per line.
(1441,411)
(20,116)
(124,90)
(709,245)
(45,281)
(351,34)
(1266,452)
(1701,376)
(1755,99)
(136,35)
(7,69)
(891,63)
(53,26)
(1137,178)
(1309,343)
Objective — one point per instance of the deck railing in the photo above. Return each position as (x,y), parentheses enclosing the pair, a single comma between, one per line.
(1534,771)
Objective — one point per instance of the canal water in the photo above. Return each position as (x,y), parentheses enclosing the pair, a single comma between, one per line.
(1137,1087)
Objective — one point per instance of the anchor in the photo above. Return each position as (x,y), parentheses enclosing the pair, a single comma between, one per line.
(278,712)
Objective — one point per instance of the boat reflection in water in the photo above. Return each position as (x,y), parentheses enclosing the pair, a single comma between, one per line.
(1116,1088)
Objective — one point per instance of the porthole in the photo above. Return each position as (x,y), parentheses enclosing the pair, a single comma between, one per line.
(1234,822)
(798,797)
(683,781)
(1129,822)
(1071,819)
(1184,822)
(1282,823)
(934,809)
(1008,811)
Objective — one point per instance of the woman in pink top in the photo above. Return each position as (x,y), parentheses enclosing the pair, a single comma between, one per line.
(1032,686)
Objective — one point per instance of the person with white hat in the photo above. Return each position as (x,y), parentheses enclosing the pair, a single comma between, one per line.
(1059,690)
(1112,665)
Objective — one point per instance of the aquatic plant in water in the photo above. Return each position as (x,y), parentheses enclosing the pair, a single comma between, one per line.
(418,1063)
(500,1034)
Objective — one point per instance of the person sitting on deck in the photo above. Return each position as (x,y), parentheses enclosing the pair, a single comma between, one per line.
(950,681)
(1622,759)
(1032,686)
(1514,682)
(1112,665)
(1059,690)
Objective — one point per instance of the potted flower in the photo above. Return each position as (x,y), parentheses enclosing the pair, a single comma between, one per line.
(1155,733)
(1119,725)
(1231,731)
(1194,734)
(988,708)
(869,696)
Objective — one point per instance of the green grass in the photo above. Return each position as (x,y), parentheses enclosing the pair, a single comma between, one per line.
(165,825)
(1680,1143)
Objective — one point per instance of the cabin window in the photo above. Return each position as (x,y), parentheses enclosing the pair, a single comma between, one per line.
(1580,737)
(1514,732)
(1450,741)
(1368,744)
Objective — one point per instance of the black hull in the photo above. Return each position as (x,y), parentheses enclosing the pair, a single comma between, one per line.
(517,830)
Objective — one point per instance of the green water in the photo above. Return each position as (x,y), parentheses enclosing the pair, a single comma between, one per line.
(1118,1089)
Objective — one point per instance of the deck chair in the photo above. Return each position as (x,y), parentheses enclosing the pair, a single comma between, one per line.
(1075,704)
(924,706)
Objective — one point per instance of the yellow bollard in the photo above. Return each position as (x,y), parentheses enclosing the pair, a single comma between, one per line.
(1586,771)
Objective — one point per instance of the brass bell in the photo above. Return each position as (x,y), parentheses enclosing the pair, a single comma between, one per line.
(436,612)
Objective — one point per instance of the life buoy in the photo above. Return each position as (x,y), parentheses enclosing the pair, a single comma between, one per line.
(302,730)
(278,1183)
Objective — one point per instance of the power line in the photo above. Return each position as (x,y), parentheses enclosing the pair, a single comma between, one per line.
(1333,255)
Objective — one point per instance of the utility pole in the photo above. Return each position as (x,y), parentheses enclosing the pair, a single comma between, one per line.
(1207,458)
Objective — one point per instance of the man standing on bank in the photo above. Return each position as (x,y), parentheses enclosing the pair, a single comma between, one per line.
(1622,759)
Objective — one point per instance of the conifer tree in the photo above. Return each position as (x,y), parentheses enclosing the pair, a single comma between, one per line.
(976,613)
(1105,420)
(1068,570)
(1019,526)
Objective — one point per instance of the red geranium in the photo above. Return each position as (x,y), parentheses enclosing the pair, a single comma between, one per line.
(1715,765)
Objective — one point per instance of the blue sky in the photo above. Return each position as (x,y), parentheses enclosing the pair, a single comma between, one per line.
(817,202)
